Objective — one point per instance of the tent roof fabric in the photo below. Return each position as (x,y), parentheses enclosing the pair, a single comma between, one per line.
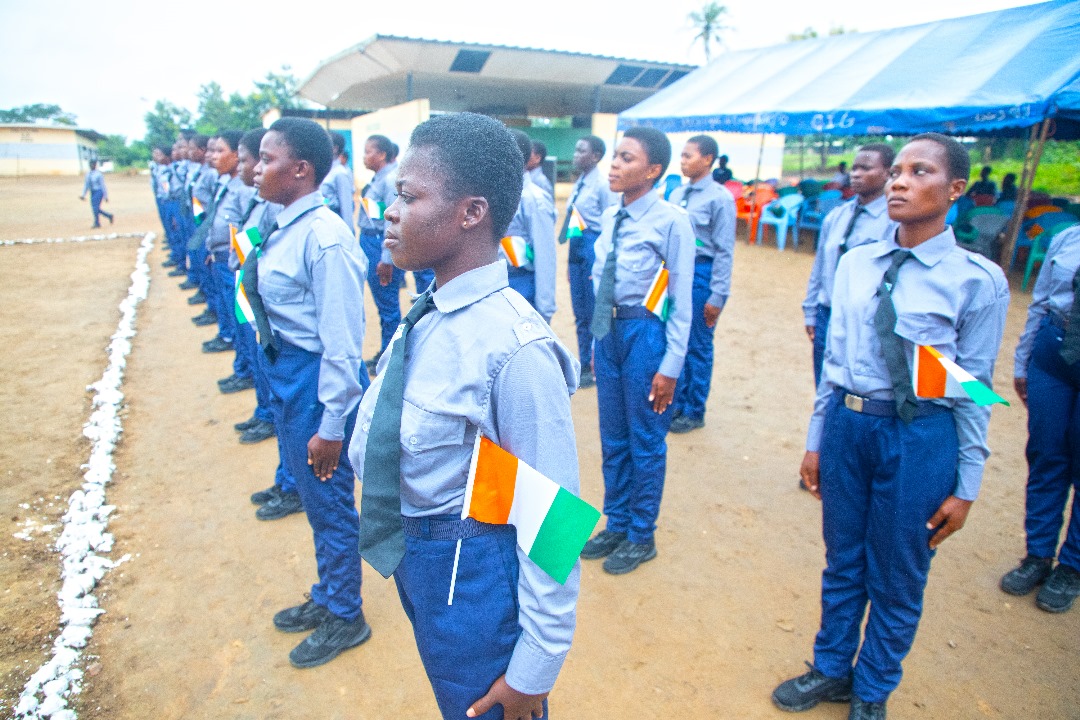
(386,70)
(989,73)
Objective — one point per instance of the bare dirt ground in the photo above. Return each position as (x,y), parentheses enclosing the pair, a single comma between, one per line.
(728,609)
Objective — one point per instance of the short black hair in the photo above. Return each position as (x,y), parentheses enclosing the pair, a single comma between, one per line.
(384,145)
(539,148)
(885,152)
(252,139)
(164,149)
(657,146)
(475,155)
(523,141)
(955,155)
(986,171)
(841,166)
(723,158)
(705,145)
(596,144)
(200,140)
(308,141)
(339,142)
(187,134)
(1009,179)
(231,138)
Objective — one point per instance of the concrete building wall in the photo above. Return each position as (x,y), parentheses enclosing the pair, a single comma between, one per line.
(30,150)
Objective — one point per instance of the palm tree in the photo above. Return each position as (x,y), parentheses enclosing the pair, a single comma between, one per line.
(708,23)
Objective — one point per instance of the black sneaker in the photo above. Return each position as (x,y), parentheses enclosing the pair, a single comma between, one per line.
(228,381)
(806,691)
(685,423)
(628,556)
(218,344)
(169,263)
(177,272)
(197,299)
(285,504)
(1032,572)
(602,544)
(862,710)
(247,424)
(258,433)
(264,496)
(332,637)
(587,379)
(207,318)
(189,285)
(240,384)
(301,618)
(1060,590)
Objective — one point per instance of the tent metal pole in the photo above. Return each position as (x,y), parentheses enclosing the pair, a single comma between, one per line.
(1036,143)
(753,194)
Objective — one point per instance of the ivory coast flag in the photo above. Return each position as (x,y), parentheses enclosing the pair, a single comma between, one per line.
(576,228)
(552,523)
(373,209)
(197,210)
(936,376)
(657,298)
(243,243)
(242,308)
(518,252)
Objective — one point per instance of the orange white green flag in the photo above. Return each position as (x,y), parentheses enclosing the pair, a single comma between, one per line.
(516,251)
(552,523)
(936,376)
(373,209)
(197,210)
(242,307)
(243,243)
(656,300)
(576,228)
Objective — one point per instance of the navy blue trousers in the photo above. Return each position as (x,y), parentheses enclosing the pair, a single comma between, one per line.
(582,298)
(387,297)
(524,281)
(693,388)
(96,196)
(465,647)
(224,285)
(632,436)
(171,220)
(821,334)
(423,280)
(881,480)
(1053,450)
(330,506)
(246,342)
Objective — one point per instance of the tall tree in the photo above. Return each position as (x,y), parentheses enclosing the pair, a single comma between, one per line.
(164,122)
(39,112)
(709,23)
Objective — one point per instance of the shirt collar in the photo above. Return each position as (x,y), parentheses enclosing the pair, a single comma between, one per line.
(875,207)
(471,287)
(642,205)
(929,253)
(298,208)
(703,182)
(384,171)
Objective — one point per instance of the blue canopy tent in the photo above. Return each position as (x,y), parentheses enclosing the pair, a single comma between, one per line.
(1011,72)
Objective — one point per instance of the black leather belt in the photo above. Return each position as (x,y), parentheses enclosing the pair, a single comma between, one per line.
(885,408)
(1059,321)
(631,312)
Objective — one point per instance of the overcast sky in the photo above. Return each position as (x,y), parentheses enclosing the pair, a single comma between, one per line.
(107,61)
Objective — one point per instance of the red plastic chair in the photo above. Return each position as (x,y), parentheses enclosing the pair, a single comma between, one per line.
(749,206)
(983,199)
(735,188)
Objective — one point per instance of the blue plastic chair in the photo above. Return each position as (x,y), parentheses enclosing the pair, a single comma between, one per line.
(783,213)
(670,183)
(814,210)
(1040,244)
(959,209)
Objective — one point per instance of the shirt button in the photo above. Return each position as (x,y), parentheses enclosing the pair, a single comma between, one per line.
(367,426)
(526,326)
(412,440)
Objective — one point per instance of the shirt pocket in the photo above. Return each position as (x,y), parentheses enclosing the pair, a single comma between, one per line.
(635,261)
(926,329)
(1061,275)
(280,290)
(422,430)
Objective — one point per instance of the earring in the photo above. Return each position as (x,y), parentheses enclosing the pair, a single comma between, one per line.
(297,176)
(465,225)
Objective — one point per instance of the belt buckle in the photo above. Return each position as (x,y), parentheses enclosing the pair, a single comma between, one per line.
(614,311)
(853,402)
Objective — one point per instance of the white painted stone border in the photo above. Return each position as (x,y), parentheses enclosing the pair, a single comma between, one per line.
(47,691)
(76,239)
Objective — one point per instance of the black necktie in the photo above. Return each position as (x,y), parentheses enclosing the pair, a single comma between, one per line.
(859,210)
(1070,345)
(570,209)
(382,541)
(251,289)
(686,197)
(250,209)
(605,295)
(891,345)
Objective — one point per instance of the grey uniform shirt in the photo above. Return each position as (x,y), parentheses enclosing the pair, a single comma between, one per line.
(311,275)
(228,212)
(484,360)
(711,208)
(337,189)
(945,297)
(541,181)
(871,226)
(204,186)
(535,222)
(1053,292)
(592,196)
(95,182)
(655,232)
(382,189)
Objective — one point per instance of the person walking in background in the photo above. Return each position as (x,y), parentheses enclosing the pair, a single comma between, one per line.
(95,185)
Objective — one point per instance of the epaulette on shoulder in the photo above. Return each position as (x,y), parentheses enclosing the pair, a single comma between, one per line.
(323,232)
